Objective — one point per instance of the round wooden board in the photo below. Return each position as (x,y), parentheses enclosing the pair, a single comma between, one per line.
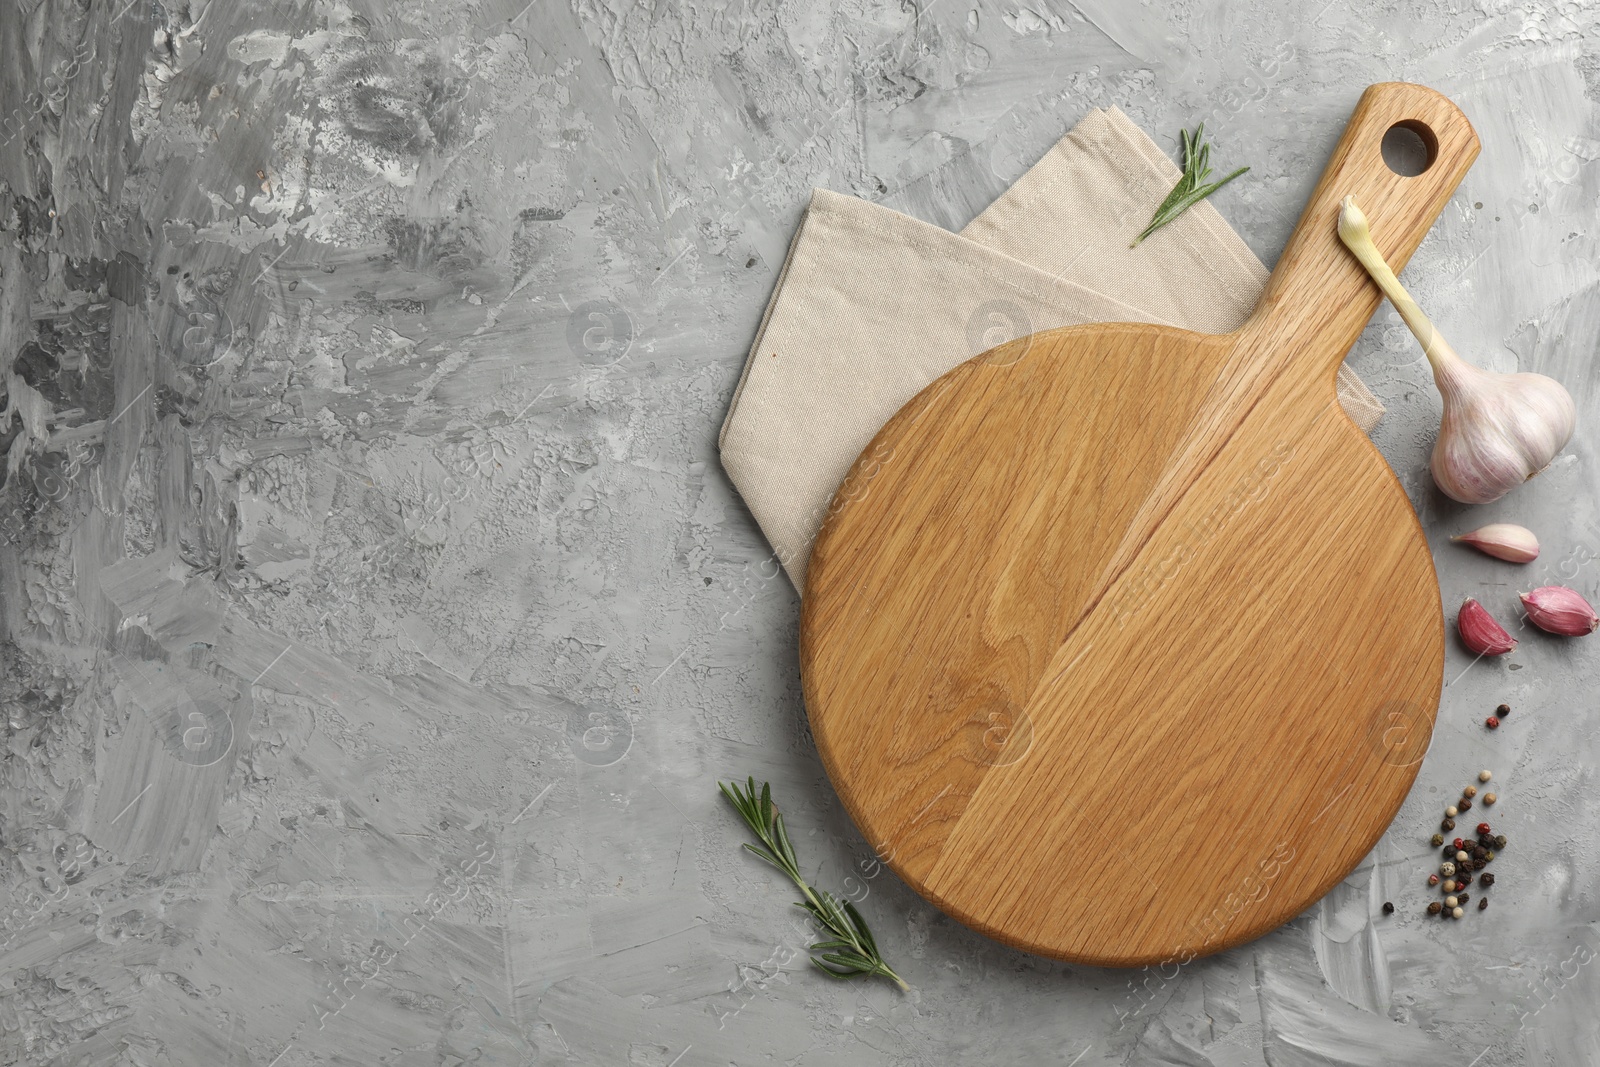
(1123,644)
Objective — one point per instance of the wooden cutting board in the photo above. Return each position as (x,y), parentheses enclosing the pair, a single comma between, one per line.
(1122,644)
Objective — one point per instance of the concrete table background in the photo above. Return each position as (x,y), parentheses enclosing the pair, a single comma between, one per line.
(377,618)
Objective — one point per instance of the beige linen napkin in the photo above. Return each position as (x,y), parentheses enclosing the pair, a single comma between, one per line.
(872,305)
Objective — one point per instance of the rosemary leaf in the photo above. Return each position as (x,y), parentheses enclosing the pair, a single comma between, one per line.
(1191,187)
(852,952)
(831,973)
(861,926)
(767,857)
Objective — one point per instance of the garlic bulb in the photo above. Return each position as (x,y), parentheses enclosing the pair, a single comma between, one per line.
(1498,430)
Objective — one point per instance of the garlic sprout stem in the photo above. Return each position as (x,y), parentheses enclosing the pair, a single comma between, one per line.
(1353,231)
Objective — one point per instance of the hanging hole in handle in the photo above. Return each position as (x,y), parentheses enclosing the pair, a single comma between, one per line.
(1410,147)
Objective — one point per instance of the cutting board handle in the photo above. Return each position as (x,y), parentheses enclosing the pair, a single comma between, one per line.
(1319,298)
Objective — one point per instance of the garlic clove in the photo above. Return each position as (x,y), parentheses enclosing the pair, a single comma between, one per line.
(1503,540)
(1559,610)
(1480,633)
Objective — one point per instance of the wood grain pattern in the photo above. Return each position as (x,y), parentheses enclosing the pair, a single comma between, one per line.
(1122,644)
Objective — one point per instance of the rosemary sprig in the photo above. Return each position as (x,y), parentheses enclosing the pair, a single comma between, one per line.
(851,952)
(1190,189)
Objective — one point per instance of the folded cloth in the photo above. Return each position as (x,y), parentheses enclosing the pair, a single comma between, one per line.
(873,305)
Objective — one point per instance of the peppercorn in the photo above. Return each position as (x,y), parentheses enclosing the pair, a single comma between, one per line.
(1470,791)
(1464,879)
(1437,840)
(1499,840)
(1503,709)
(1447,868)
(1462,855)
(1434,907)
(1388,908)
(1463,804)
(1487,880)
(1456,913)
(1483,828)
(1484,776)
(1450,901)
(1483,902)
(1451,812)
(1459,843)
(1461,898)
(1487,856)
(1447,825)
(1433,879)
(1492,723)
(1449,885)
(1480,853)
(1489,798)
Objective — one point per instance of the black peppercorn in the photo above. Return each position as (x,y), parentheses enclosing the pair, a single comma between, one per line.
(1388,908)
(1483,902)
(1461,899)
(1448,825)
(1479,853)
(1503,710)
(1463,804)
(1464,879)
(1435,908)
(1487,880)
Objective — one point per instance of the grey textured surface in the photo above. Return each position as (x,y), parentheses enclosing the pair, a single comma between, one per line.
(377,618)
